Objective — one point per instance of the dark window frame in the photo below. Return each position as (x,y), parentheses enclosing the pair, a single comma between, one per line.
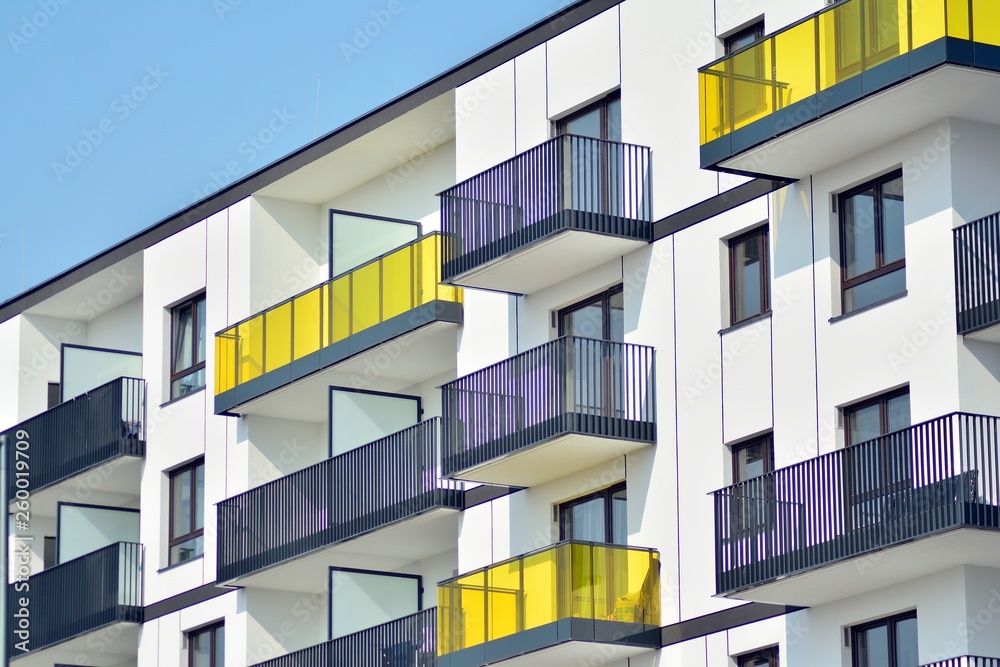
(602,104)
(763,240)
(194,366)
(604,298)
(890,622)
(749,515)
(881,268)
(736,41)
(174,540)
(770,654)
(746,444)
(213,636)
(861,489)
(882,400)
(607,494)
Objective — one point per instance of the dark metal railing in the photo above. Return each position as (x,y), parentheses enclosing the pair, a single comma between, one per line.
(86,431)
(977,274)
(76,597)
(569,385)
(410,641)
(934,476)
(348,495)
(569,182)
(966,661)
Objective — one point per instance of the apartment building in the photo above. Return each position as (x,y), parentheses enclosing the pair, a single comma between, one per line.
(658,334)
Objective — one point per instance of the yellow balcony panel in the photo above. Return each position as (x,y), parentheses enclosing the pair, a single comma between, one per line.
(551,606)
(853,76)
(385,325)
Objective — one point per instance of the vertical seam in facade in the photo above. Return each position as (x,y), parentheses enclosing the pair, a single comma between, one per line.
(514,65)
(619,48)
(548,116)
(677,460)
(812,237)
(722,386)
(770,269)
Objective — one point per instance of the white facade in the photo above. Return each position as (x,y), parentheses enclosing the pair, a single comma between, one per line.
(792,373)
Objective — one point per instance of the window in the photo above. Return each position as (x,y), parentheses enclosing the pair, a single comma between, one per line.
(873,261)
(889,642)
(751,80)
(752,503)
(596,368)
(187,347)
(767,657)
(599,517)
(753,458)
(877,465)
(601,316)
(745,37)
(595,167)
(866,35)
(207,646)
(749,293)
(187,512)
(602,120)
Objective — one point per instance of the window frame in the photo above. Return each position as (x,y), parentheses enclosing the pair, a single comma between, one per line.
(607,495)
(212,631)
(602,298)
(603,104)
(881,268)
(746,519)
(770,654)
(194,366)
(729,42)
(764,239)
(890,622)
(882,400)
(172,540)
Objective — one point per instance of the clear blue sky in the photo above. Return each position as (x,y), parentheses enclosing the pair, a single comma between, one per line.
(116,114)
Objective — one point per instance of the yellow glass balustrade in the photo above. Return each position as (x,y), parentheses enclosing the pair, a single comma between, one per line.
(828,48)
(375,292)
(582,580)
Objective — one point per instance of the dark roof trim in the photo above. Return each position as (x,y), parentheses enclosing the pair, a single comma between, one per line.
(721,621)
(480,64)
(714,206)
(188,598)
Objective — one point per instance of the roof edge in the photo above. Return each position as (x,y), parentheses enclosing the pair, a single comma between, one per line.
(479,64)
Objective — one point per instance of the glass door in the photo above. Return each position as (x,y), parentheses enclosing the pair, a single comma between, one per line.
(595,364)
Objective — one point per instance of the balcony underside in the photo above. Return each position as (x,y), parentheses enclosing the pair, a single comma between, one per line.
(391,356)
(988,334)
(109,646)
(878,569)
(567,642)
(853,117)
(532,265)
(556,457)
(412,539)
(114,483)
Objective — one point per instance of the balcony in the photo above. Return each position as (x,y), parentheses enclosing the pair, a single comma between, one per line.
(853,76)
(100,432)
(105,587)
(551,606)
(336,334)
(966,661)
(410,641)
(559,408)
(899,507)
(550,213)
(977,278)
(385,500)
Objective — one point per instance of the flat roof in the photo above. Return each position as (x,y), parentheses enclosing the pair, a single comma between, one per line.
(569,17)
